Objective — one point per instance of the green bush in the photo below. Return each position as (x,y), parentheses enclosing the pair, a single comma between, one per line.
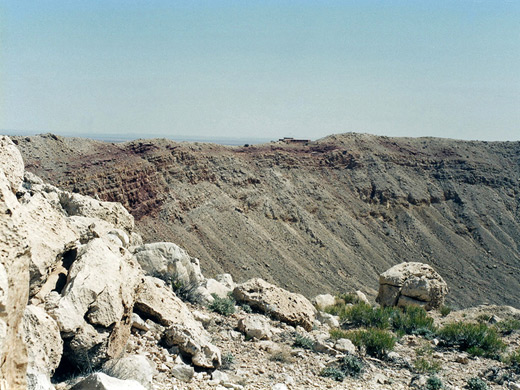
(348,298)
(476,384)
(423,365)
(337,334)
(434,383)
(507,326)
(333,372)
(224,306)
(445,310)
(351,365)
(363,314)
(187,291)
(246,308)
(513,361)
(227,361)
(412,320)
(477,339)
(377,342)
(301,341)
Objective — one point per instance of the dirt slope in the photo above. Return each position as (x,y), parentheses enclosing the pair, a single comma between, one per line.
(324,217)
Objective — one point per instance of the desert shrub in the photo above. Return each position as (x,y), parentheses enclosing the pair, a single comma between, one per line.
(187,291)
(351,365)
(445,310)
(425,365)
(377,342)
(282,356)
(348,298)
(434,383)
(477,339)
(337,334)
(484,317)
(301,341)
(362,314)
(227,361)
(507,326)
(476,384)
(333,372)
(246,308)
(513,361)
(412,320)
(338,309)
(224,306)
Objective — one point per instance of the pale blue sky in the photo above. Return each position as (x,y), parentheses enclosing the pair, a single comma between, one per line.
(261,69)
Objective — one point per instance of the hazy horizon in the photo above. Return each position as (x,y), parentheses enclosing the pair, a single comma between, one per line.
(261,70)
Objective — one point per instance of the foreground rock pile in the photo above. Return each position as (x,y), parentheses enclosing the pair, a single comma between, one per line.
(84,304)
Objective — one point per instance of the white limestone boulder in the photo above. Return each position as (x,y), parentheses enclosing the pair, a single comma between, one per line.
(157,301)
(43,340)
(255,326)
(412,284)
(281,304)
(14,269)
(135,367)
(99,294)
(100,381)
(323,300)
(169,262)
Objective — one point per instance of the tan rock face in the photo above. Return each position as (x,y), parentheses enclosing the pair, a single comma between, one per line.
(100,292)
(157,301)
(255,326)
(166,260)
(412,284)
(14,269)
(43,340)
(281,304)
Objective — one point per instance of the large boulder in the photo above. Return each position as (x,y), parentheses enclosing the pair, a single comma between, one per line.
(111,212)
(44,344)
(94,308)
(135,367)
(281,304)
(169,262)
(58,221)
(14,269)
(324,300)
(411,284)
(204,294)
(100,381)
(255,326)
(158,302)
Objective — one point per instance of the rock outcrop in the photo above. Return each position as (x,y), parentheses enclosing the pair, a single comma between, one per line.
(100,381)
(289,307)
(169,262)
(93,311)
(158,302)
(255,326)
(44,344)
(72,258)
(412,284)
(14,269)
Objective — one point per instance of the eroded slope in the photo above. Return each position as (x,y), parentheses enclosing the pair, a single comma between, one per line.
(327,216)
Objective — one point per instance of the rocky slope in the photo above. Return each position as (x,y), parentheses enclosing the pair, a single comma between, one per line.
(326,216)
(84,304)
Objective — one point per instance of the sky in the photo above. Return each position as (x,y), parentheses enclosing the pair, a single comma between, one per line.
(261,69)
